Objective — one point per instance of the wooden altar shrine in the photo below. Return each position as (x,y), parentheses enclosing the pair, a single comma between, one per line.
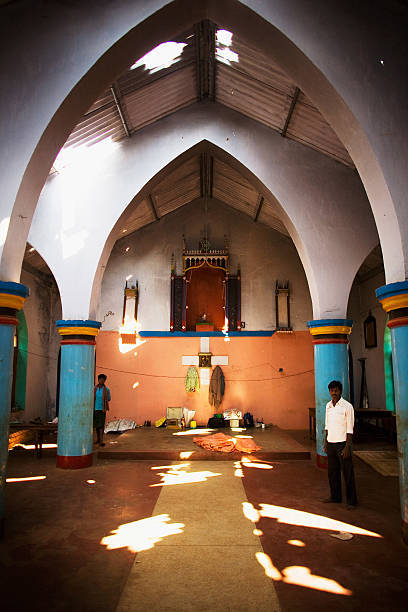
(205,297)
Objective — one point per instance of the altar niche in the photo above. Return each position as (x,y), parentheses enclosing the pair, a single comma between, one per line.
(205,297)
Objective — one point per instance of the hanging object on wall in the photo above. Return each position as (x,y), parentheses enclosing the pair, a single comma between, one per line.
(192,381)
(128,330)
(233,302)
(282,308)
(363,389)
(370,331)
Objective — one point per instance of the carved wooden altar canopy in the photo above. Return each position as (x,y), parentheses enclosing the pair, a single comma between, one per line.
(215,259)
(204,256)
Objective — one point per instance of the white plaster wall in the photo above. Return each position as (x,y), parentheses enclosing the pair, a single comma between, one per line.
(263,254)
(324,206)
(40,310)
(362,301)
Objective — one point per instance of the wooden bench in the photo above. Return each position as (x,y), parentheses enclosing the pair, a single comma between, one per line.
(38,429)
(381,417)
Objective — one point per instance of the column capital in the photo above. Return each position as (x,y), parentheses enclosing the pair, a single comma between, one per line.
(12,298)
(78,331)
(330,331)
(394,300)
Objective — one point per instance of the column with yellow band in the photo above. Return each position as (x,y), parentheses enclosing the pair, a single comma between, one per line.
(330,344)
(76,392)
(12,298)
(394,300)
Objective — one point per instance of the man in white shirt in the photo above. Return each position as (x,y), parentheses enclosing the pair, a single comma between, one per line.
(339,432)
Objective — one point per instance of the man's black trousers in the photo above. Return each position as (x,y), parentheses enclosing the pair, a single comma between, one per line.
(337,465)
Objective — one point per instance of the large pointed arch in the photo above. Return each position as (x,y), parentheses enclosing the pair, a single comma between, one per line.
(286,34)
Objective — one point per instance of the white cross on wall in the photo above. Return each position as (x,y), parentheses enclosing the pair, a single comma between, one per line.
(193,360)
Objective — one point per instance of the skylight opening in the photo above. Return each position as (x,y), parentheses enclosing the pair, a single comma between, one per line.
(163,56)
(223,51)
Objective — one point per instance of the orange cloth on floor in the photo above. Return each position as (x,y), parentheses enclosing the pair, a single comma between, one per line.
(226,444)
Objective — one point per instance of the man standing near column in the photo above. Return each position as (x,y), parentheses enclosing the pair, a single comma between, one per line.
(102,397)
(337,445)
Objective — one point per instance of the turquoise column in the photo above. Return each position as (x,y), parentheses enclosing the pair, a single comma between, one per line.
(77,379)
(12,298)
(330,344)
(394,300)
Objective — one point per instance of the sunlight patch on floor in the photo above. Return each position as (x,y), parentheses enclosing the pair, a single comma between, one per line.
(300,576)
(193,432)
(175,475)
(26,479)
(143,534)
(307,519)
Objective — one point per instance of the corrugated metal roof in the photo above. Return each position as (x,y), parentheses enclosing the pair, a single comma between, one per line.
(268,216)
(160,98)
(231,187)
(137,78)
(97,126)
(183,185)
(178,188)
(308,126)
(251,97)
(246,81)
(259,89)
(140,215)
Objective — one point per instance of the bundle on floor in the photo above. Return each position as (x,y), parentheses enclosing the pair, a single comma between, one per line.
(226,444)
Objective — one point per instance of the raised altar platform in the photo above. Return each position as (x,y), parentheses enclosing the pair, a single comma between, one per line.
(149,443)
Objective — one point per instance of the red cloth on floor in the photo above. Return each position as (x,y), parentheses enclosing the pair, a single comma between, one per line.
(226,444)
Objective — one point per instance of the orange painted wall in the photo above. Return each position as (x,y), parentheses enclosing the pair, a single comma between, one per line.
(253,382)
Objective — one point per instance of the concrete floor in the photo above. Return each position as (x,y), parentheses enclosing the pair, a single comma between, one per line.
(198,536)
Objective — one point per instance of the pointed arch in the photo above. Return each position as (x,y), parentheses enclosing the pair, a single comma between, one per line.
(279,34)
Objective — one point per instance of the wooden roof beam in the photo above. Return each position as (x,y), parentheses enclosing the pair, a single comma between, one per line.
(290,111)
(119,109)
(153,207)
(205,59)
(259,207)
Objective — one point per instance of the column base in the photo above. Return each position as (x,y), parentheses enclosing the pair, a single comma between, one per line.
(321,461)
(74,462)
(404,528)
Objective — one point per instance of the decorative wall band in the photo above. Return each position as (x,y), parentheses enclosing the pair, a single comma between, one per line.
(9,300)
(8,320)
(392,289)
(330,329)
(7,312)
(394,302)
(75,462)
(330,322)
(66,341)
(82,331)
(397,314)
(330,341)
(401,322)
(325,336)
